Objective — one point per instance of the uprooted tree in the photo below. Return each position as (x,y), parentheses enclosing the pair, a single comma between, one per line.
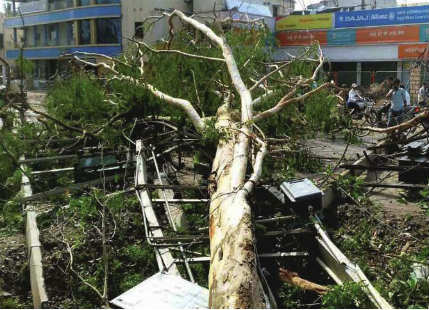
(223,82)
(233,278)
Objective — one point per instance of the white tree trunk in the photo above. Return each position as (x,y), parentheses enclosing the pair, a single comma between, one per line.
(233,277)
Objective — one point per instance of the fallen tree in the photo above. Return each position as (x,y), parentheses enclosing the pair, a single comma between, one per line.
(222,84)
(233,279)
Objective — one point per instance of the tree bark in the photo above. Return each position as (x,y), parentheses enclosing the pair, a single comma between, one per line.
(233,277)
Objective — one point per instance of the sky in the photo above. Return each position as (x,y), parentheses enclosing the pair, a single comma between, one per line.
(307,2)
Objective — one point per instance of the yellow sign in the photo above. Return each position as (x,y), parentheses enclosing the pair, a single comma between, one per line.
(297,22)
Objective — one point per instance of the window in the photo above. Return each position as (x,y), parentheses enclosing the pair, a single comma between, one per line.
(39,36)
(1,40)
(138,30)
(275,11)
(66,33)
(60,4)
(108,30)
(84,32)
(53,34)
(84,2)
(106,1)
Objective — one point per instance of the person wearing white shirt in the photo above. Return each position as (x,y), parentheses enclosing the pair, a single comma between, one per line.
(354,97)
(407,96)
(422,95)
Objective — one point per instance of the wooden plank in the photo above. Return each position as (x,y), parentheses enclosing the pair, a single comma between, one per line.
(164,258)
(34,252)
(37,280)
(402,186)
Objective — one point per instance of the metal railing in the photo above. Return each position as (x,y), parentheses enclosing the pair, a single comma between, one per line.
(367,78)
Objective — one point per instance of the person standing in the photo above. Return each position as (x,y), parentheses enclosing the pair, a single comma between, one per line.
(407,95)
(422,95)
(397,97)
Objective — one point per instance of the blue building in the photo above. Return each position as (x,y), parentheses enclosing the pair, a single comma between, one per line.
(48,28)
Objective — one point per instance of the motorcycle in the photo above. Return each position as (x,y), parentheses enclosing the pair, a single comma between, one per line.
(366,110)
(383,112)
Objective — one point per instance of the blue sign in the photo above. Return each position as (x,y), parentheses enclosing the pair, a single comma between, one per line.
(382,17)
(424,33)
(341,37)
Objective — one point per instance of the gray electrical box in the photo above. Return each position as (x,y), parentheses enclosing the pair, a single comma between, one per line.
(302,193)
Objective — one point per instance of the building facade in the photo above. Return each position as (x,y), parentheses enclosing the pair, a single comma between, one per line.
(354,4)
(276,7)
(364,46)
(43,30)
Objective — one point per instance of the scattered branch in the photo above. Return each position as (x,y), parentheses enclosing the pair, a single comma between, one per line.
(294,279)
(405,125)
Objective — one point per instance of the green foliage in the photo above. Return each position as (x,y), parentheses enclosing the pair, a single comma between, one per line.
(350,295)
(9,303)
(352,185)
(24,65)
(405,290)
(292,296)
(322,113)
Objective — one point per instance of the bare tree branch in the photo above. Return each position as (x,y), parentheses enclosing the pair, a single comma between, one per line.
(261,80)
(285,101)
(142,43)
(412,122)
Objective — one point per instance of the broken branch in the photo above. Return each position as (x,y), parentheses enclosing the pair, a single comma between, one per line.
(294,279)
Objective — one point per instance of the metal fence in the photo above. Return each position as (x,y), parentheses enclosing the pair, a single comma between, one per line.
(370,77)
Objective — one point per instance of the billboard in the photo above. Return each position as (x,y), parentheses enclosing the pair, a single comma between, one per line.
(388,34)
(411,51)
(303,22)
(358,36)
(382,17)
(341,37)
(298,38)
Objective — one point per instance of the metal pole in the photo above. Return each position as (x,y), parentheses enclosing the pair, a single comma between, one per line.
(173,225)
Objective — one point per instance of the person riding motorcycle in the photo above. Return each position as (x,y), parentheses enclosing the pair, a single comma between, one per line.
(355,100)
(399,101)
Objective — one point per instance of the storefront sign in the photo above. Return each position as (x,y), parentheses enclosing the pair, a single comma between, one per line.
(381,17)
(388,34)
(295,22)
(298,38)
(411,51)
(341,37)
